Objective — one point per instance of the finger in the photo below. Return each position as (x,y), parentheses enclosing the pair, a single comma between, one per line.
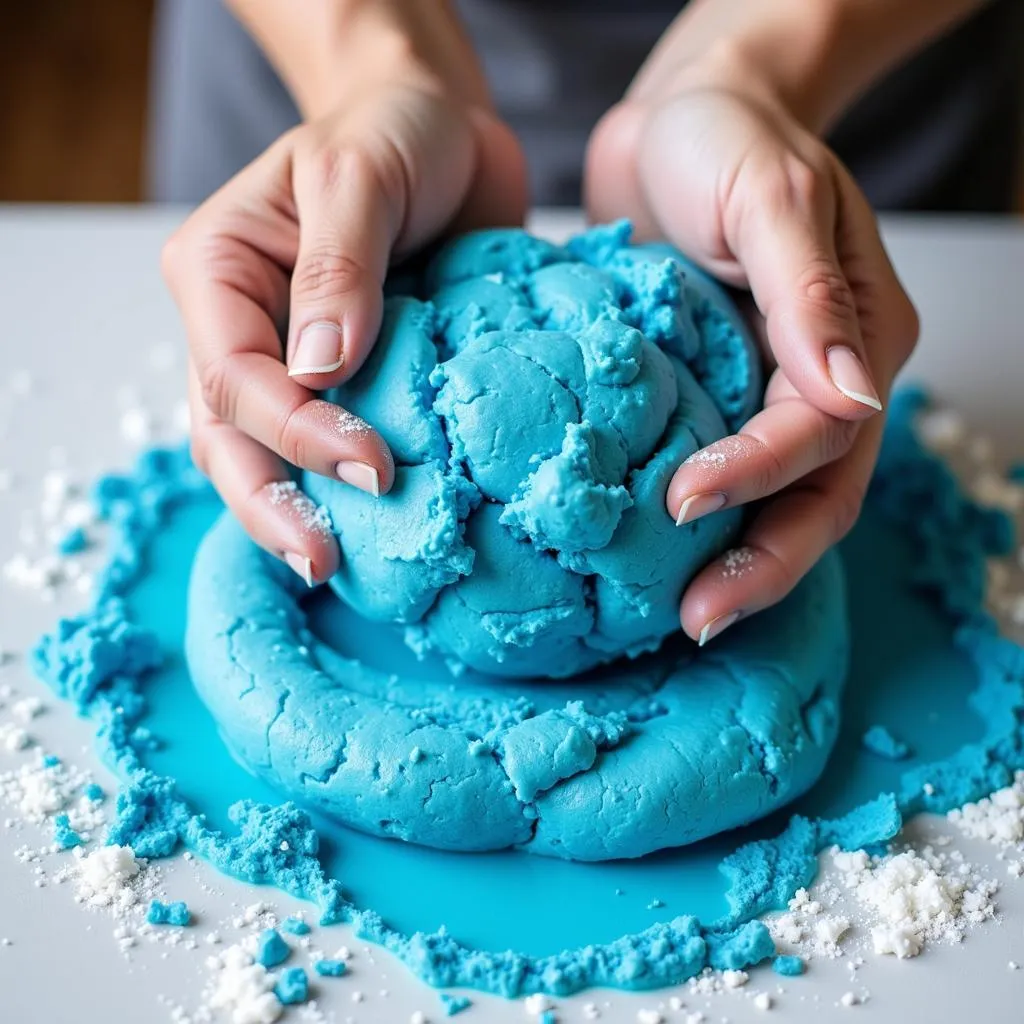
(888,321)
(497,195)
(236,350)
(254,483)
(783,543)
(347,226)
(784,237)
(787,440)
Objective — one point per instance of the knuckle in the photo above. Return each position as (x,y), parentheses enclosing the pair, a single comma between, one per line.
(783,573)
(217,387)
(807,183)
(823,286)
(844,507)
(836,439)
(172,256)
(324,272)
(290,436)
(770,468)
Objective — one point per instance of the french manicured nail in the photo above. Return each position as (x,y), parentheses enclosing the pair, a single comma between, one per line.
(850,377)
(300,564)
(360,475)
(697,505)
(715,626)
(318,349)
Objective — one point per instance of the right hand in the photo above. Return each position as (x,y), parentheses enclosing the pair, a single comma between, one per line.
(300,242)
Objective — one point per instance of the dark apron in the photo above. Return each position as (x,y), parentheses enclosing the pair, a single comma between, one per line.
(941,133)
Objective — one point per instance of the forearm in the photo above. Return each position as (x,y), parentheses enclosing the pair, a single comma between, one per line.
(816,56)
(325,49)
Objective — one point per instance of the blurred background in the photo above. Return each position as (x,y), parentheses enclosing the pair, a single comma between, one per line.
(74,84)
(73,91)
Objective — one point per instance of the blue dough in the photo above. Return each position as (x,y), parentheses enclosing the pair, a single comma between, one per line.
(536,424)
(537,406)
(632,758)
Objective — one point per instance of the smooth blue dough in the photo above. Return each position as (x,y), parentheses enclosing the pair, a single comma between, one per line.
(537,400)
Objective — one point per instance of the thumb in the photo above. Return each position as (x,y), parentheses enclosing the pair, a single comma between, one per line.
(346,230)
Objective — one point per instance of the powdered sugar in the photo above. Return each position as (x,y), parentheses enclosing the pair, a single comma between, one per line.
(998,818)
(350,425)
(312,517)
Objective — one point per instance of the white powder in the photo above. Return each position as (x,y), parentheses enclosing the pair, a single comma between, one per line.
(590,1011)
(13,738)
(917,898)
(738,562)
(998,818)
(350,425)
(734,979)
(649,1017)
(136,426)
(762,1001)
(537,1004)
(311,517)
(242,988)
(27,708)
(941,429)
(418,1017)
(101,875)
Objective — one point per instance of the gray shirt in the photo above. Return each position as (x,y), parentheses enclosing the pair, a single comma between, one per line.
(943,132)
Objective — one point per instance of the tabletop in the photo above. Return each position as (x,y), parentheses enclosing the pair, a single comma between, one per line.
(93,357)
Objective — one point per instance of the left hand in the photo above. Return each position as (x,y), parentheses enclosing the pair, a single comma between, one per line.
(730,176)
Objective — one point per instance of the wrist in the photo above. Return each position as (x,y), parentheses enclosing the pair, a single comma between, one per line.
(777,53)
(339,48)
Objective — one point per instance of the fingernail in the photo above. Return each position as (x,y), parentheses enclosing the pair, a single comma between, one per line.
(318,349)
(301,565)
(698,505)
(716,626)
(360,475)
(850,377)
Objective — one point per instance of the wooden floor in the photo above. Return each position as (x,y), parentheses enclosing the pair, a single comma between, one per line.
(73,99)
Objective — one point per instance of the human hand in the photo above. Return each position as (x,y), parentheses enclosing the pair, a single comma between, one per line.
(713,161)
(299,243)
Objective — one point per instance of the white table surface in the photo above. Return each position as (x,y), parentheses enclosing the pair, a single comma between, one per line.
(85,313)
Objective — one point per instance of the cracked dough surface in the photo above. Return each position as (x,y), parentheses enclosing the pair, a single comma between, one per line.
(537,406)
(635,757)
(537,400)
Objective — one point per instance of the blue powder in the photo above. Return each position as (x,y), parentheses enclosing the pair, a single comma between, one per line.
(547,1017)
(63,834)
(73,542)
(94,792)
(295,926)
(788,966)
(99,660)
(454,1004)
(51,761)
(330,968)
(176,913)
(882,743)
(292,986)
(271,949)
